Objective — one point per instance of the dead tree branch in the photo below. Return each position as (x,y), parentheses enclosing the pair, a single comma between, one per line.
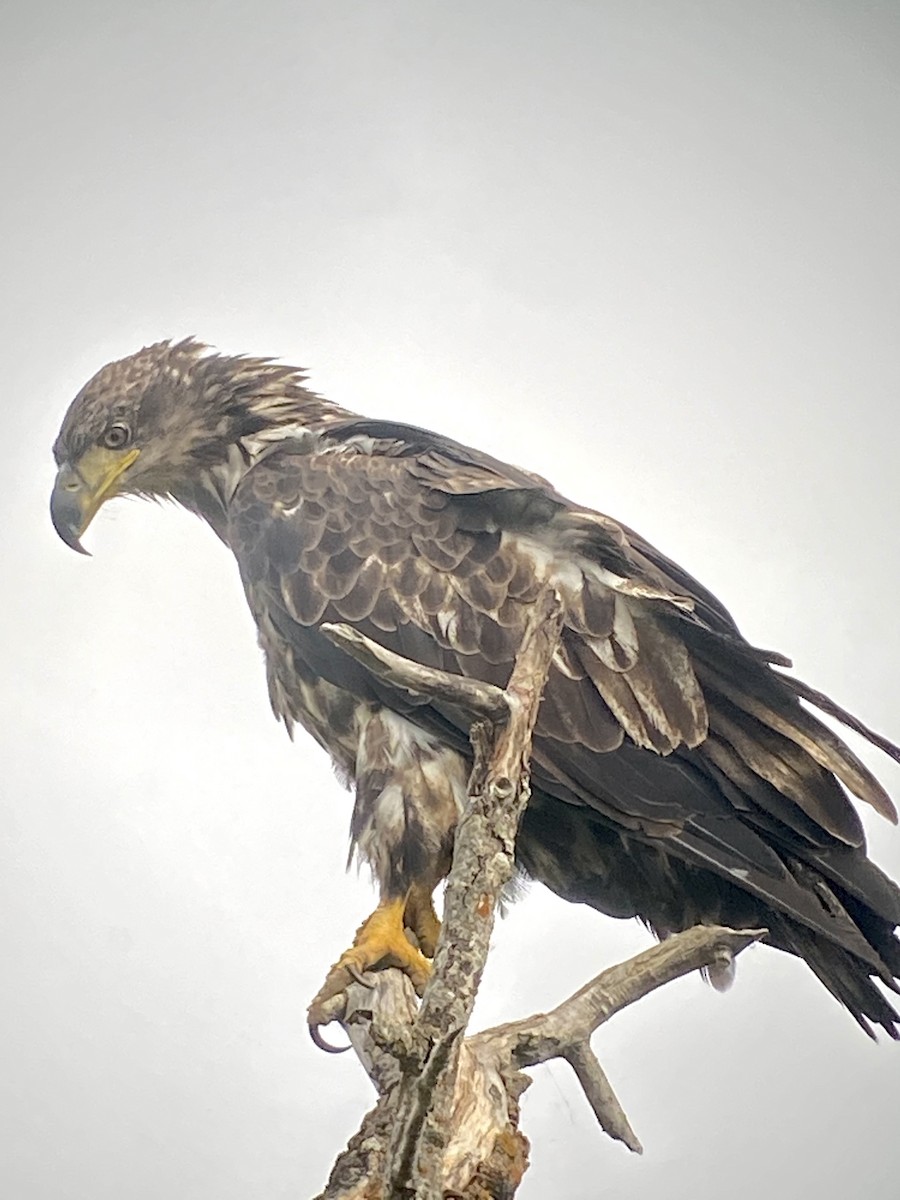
(480,701)
(446,1121)
(566,1031)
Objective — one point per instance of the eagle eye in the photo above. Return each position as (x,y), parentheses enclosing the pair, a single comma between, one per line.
(116,436)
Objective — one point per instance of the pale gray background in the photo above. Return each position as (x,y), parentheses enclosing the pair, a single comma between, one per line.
(649,250)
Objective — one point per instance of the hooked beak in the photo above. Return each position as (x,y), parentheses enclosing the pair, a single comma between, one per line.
(80,489)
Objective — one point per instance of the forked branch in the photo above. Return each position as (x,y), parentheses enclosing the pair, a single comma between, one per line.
(446,1121)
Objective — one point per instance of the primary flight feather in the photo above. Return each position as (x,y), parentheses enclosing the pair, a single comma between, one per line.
(678,775)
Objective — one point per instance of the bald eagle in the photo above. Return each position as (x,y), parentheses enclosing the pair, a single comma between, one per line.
(678,775)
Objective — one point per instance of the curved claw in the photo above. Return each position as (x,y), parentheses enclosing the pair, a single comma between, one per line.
(379,941)
(354,972)
(319,1041)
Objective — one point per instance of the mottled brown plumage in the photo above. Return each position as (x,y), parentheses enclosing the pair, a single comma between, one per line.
(677,775)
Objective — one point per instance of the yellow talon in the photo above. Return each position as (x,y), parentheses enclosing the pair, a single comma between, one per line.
(381,942)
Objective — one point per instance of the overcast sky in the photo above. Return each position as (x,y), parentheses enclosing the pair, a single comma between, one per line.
(649,250)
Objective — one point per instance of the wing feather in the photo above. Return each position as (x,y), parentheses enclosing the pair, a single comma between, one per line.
(812,736)
(659,720)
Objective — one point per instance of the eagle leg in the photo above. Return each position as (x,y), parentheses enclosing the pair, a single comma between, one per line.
(381,941)
(421,919)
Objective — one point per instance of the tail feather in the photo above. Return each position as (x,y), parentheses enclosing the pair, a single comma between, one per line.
(827,705)
(799,726)
(848,980)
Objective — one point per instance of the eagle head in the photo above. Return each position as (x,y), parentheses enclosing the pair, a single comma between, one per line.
(162,422)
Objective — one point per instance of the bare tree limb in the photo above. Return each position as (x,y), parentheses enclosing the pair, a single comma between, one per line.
(446,1121)
(565,1031)
(600,1095)
(483,863)
(480,701)
(486,1155)
(548,1035)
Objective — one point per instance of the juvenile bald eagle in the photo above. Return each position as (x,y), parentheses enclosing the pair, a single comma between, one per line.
(677,776)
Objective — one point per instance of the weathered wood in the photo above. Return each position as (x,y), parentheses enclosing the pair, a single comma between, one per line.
(487,1154)
(600,1095)
(446,1121)
(478,700)
(483,864)
(546,1035)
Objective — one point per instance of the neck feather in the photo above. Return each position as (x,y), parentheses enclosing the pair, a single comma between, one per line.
(260,406)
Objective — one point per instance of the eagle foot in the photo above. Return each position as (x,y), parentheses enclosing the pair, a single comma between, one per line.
(380,941)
